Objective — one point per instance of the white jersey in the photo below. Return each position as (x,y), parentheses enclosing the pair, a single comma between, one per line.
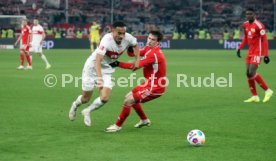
(111,50)
(37,32)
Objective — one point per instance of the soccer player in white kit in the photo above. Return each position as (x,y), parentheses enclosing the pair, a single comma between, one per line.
(38,35)
(98,72)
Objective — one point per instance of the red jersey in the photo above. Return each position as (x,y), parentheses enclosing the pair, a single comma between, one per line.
(255,36)
(25,32)
(154,67)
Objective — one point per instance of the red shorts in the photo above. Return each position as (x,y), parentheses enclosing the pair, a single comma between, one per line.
(25,47)
(145,93)
(253,59)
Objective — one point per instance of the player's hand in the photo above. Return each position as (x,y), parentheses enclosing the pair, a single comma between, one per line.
(266,60)
(135,65)
(239,53)
(114,64)
(15,44)
(100,82)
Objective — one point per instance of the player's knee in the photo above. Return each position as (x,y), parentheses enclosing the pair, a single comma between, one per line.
(85,99)
(250,74)
(128,102)
(104,99)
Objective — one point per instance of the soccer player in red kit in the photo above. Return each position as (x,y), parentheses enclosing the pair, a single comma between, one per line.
(25,44)
(255,36)
(154,69)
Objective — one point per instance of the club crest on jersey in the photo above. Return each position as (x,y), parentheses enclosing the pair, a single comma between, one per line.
(101,47)
(262,32)
(253,30)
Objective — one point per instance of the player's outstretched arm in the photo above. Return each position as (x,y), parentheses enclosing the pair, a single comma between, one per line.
(121,65)
(130,51)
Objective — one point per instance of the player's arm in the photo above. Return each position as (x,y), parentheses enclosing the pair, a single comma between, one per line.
(149,59)
(98,68)
(18,39)
(30,37)
(244,41)
(264,45)
(100,53)
(43,37)
(131,53)
(136,52)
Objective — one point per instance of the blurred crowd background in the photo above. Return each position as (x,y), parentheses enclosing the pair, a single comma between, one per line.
(178,19)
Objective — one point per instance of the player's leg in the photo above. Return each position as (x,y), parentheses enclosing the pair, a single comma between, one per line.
(128,102)
(251,72)
(97,104)
(99,101)
(81,99)
(28,57)
(91,44)
(22,56)
(97,42)
(144,121)
(44,59)
(138,108)
(88,84)
(261,82)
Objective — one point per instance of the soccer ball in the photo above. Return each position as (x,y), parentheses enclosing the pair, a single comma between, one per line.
(196,137)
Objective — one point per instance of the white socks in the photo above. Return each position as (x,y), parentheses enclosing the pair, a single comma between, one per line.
(43,57)
(97,103)
(78,101)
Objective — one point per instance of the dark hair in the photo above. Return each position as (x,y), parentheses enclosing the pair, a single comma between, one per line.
(250,9)
(118,24)
(158,34)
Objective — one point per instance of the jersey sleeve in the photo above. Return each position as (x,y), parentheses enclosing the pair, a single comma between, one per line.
(131,39)
(264,41)
(148,59)
(142,51)
(41,29)
(145,61)
(244,40)
(101,50)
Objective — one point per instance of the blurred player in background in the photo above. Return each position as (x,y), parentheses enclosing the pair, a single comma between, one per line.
(38,35)
(154,68)
(25,44)
(94,35)
(255,36)
(98,72)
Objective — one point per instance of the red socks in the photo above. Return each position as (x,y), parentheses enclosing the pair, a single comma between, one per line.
(252,86)
(29,59)
(126,111)
(21,59)
(123,115)
(260,81)
(138,108)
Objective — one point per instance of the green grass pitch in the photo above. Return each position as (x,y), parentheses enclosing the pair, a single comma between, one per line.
(34,122)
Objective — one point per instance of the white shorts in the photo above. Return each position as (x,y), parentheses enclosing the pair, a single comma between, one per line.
(36,48)
(89,77)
